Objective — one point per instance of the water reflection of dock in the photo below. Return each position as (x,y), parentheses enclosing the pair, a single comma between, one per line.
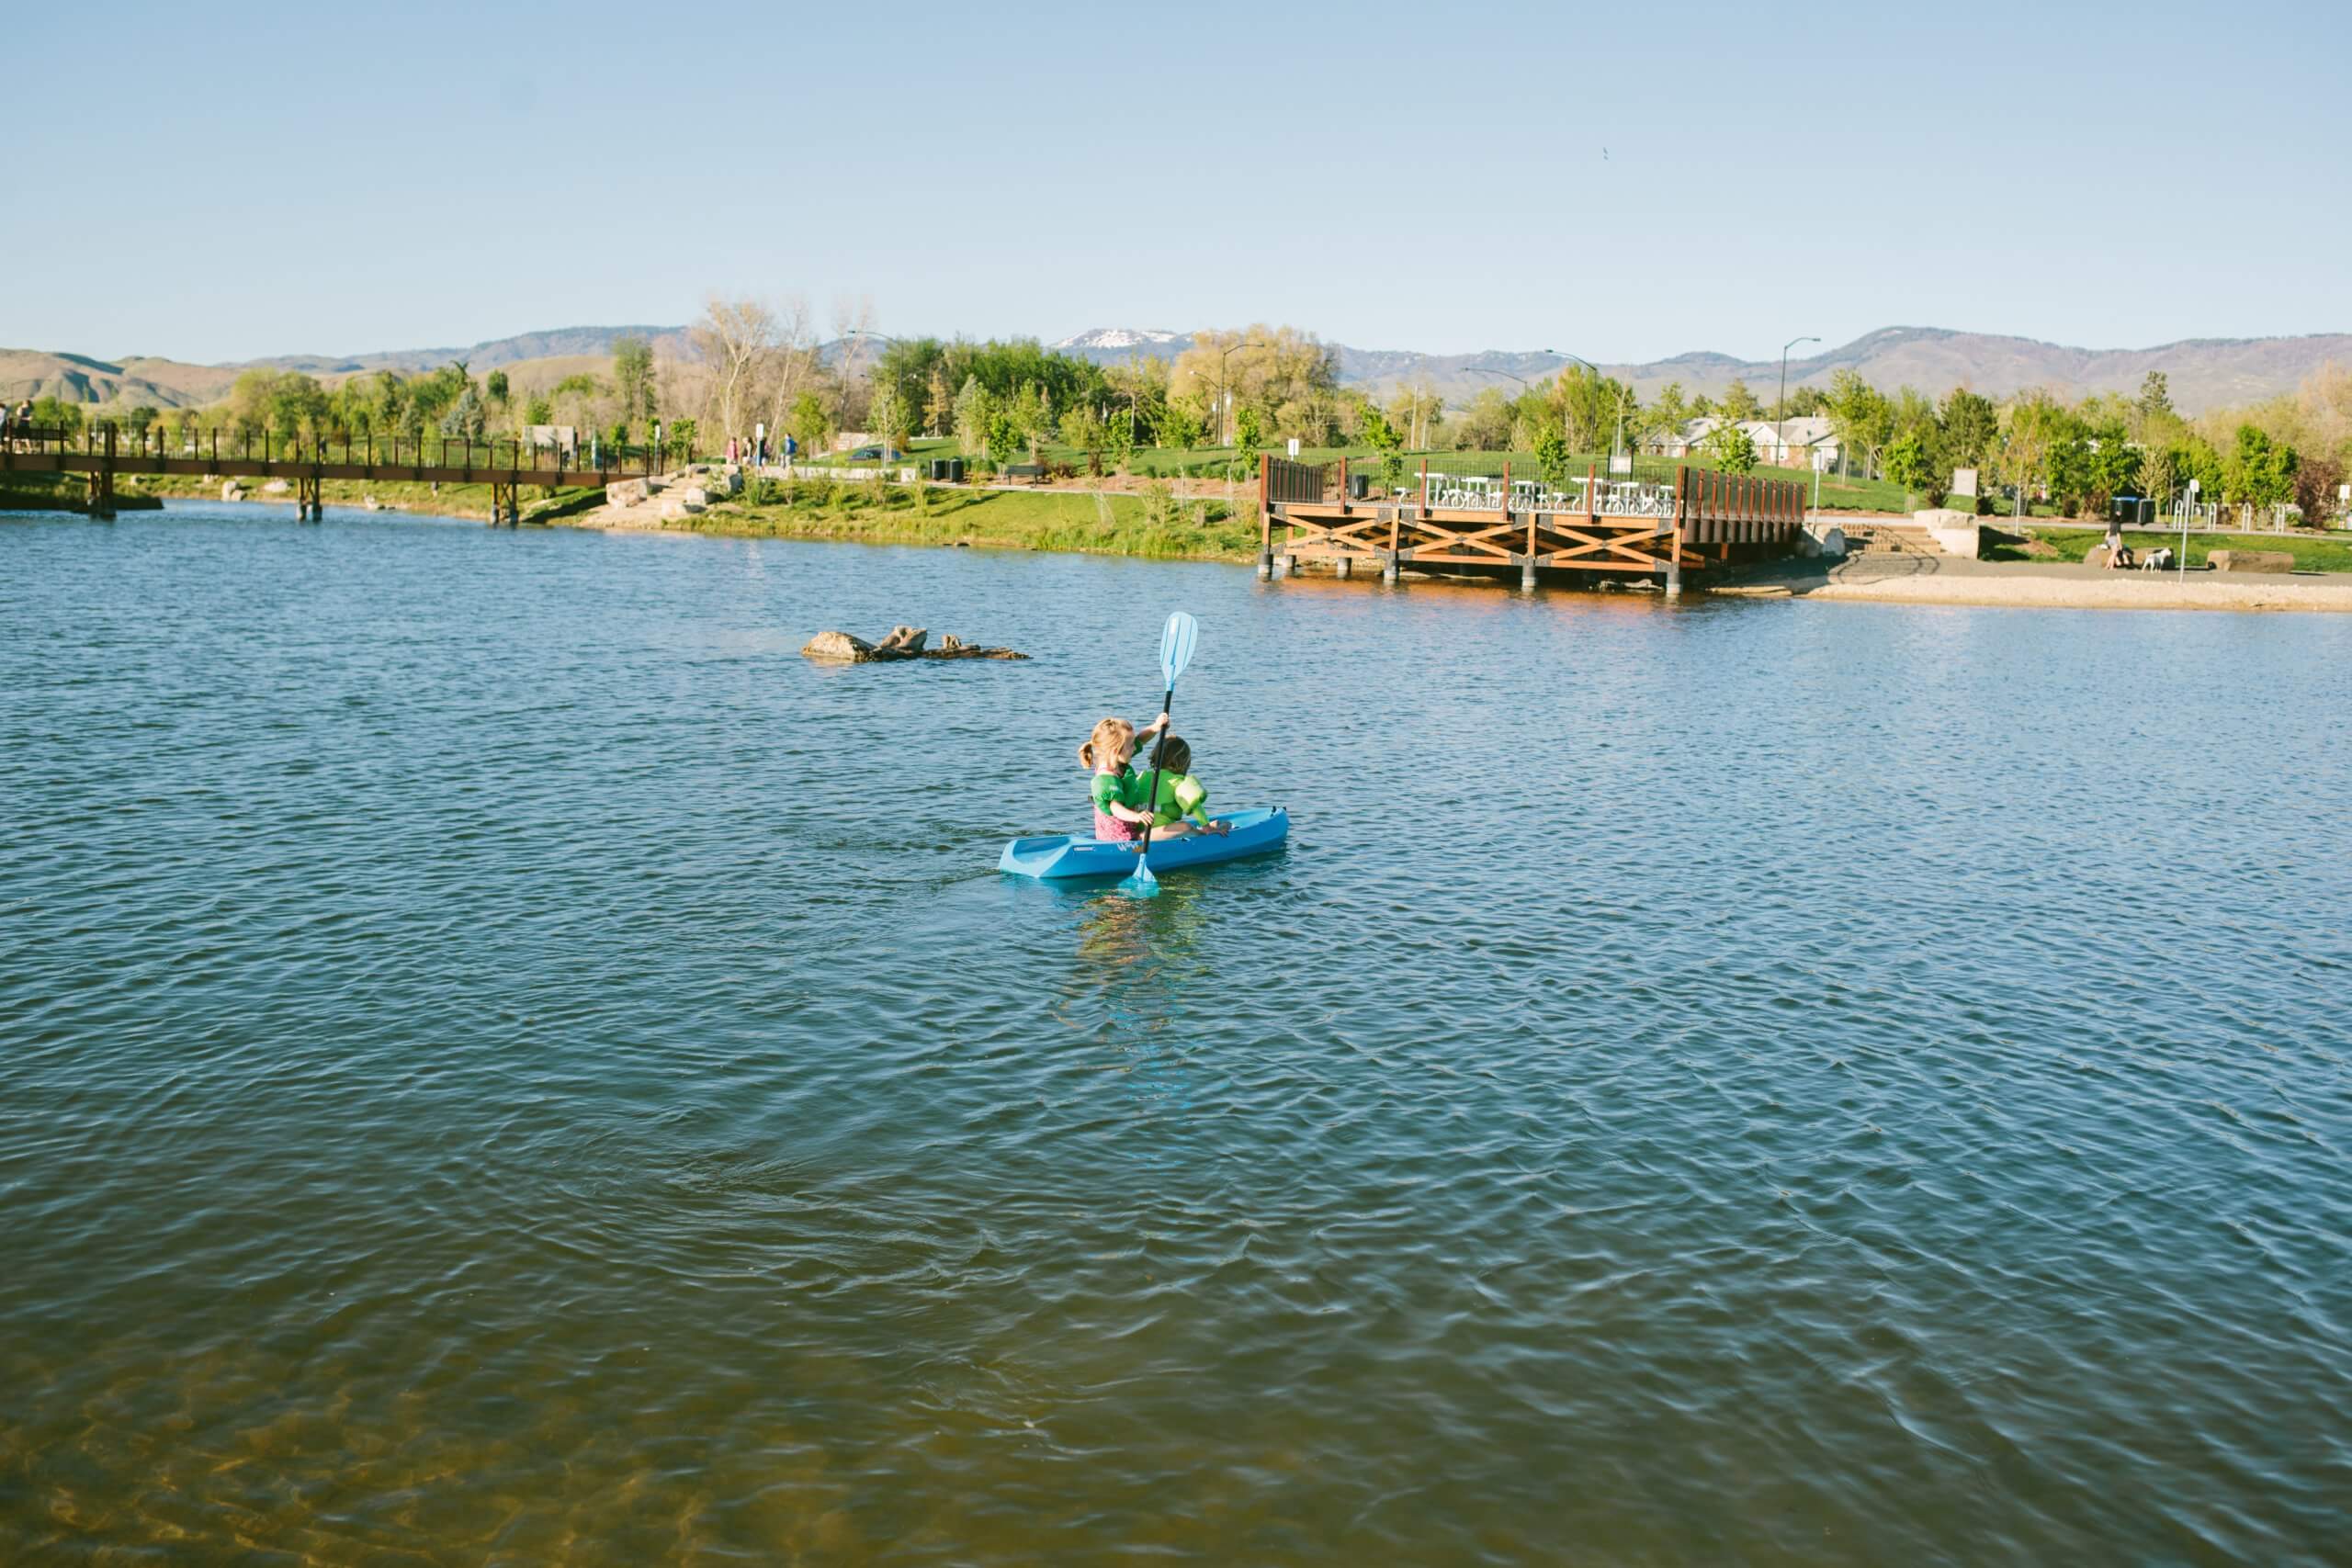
(1662,525)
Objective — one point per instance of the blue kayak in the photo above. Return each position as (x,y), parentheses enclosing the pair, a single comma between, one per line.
(1061,854)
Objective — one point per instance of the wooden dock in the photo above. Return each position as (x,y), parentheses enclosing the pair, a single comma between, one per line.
(1693,520)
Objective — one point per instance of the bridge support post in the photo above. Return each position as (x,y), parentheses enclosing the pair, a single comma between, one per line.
(102,482)
(1674,565)
(308,507)
(1388,569)
(1527,574)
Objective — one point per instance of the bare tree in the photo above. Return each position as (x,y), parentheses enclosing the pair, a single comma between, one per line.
(792,368)
(734,338)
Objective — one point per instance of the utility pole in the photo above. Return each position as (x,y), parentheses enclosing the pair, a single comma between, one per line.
(1781,407)
(1224,402)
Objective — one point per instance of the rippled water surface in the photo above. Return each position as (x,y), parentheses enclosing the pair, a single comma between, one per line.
(503,1061)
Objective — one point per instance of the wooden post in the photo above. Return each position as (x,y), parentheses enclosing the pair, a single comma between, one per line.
(1395,529)
(1265,543)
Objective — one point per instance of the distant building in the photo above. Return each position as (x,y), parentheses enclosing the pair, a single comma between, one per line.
(1805,441)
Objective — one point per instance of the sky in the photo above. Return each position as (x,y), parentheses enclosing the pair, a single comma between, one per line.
(1619,182)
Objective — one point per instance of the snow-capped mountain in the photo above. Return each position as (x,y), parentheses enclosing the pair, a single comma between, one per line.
(1109,345)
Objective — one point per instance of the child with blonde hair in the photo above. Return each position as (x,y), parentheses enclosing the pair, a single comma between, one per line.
(1117,791)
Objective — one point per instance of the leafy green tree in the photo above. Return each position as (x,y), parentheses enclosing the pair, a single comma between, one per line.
(971,412)
(1552,456)
(1082,427)
(2259,471)
(1861,416)
(466,418)
(1738,403)
(1119,439)
(633,377)
(683,434)
(1248,430)
(886,412)
(1180,425)
(809,424)
(55,413)
(1387,442)
(2155,395)
(1004,438)
(1966,426)
(496,385)
(297,407)
(1909,463)
(539,411)
(2030,442)
(1732,449)
(2160,473)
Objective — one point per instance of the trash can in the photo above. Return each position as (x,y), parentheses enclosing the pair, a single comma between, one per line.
(939,468)
(1359,487)
(954,470)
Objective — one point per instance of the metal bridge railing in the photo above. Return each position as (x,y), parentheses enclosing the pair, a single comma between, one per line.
(340,449)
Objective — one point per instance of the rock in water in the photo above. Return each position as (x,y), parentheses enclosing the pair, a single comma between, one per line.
(838,648)
(904,642)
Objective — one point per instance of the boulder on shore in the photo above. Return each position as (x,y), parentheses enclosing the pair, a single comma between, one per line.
(2251,561)
(626,492)
(276,487)
(231,490)
(904,642)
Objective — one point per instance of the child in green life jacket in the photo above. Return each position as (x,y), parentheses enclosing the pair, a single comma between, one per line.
(1180,805)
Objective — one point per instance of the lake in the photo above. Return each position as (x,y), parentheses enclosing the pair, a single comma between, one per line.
(501,1060)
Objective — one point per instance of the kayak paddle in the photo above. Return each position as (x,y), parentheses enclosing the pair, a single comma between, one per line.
(1176,643)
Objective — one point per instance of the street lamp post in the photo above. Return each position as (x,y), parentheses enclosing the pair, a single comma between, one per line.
(1781,407)
(1222,395)
(861,333)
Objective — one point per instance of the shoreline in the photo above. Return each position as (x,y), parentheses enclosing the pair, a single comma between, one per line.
(1855,580)
(2036,586)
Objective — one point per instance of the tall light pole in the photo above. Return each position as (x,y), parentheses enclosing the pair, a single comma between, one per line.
(1781,407)
(1221,409)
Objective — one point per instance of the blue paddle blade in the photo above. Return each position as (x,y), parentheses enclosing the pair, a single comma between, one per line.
(1142,885)
(1177,640)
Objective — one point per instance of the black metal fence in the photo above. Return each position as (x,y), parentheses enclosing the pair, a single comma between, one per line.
(336,450)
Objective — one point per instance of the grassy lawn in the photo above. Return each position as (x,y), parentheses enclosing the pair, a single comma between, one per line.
(1214,462)
(40,492)
(1035,520)
(2312,553)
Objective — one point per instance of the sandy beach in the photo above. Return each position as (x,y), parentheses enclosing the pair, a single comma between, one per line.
(1911,579)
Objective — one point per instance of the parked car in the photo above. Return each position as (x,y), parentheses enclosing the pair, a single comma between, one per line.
(874,454)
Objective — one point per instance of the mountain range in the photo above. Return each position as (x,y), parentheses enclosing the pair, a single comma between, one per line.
(2202,373)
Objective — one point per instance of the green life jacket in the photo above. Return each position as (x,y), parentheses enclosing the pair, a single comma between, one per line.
(1180,795)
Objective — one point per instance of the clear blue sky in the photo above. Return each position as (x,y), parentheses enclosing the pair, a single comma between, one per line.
(224,183)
